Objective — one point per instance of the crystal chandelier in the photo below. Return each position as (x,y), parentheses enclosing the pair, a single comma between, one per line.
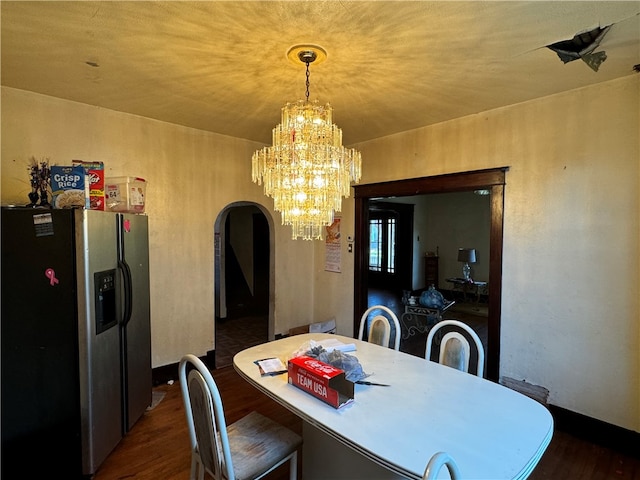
(307,171)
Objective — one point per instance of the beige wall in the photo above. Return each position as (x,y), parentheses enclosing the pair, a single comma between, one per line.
(192,175)
(570,311)
(570,293)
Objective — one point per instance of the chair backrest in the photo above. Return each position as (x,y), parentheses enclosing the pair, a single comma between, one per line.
(205,417)
(437,462)
(379,331)
(455,349)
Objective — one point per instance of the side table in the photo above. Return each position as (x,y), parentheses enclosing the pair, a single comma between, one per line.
(474,288)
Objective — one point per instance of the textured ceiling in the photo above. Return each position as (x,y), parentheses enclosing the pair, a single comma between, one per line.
(391,66)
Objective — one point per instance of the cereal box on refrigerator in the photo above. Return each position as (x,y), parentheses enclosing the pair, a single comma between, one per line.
(94,184)
(67,186)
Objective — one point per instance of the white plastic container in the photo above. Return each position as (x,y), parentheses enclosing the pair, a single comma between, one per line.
(125,194)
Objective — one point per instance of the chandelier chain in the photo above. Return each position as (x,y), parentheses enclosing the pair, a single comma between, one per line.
(307,83)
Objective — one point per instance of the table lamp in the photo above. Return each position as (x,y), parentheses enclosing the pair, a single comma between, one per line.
(467,255)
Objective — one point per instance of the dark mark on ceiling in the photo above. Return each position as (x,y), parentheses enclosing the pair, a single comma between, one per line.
(581,46)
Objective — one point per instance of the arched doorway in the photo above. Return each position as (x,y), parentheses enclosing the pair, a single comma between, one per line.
(244,276)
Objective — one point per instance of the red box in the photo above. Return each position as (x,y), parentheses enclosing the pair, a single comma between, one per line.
(94,188)
(321,380)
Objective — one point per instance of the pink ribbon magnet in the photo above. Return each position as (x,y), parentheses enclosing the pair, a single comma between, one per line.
(127,226)
(51,275)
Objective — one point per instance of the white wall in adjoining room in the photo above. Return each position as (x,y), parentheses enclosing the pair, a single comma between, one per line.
(453,221)
(444,222)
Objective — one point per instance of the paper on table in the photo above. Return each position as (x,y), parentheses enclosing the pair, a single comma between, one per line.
(331,344)
(271,366)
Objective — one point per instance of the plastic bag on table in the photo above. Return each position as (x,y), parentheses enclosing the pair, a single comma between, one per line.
(306,348)
(352,369)
(310,348)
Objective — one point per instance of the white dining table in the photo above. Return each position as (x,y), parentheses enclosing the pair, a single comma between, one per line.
(391,432)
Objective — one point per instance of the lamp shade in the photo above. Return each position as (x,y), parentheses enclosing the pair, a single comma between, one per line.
(467,255)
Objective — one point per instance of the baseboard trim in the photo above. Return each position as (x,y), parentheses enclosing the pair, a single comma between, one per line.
(164,374)
(596,431)
(169,373)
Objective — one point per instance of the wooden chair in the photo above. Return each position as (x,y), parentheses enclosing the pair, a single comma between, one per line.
(436,463)
(247,449)
(454,346)
(379,331)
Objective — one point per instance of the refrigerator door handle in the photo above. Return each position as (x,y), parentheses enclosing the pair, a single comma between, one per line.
(128,291)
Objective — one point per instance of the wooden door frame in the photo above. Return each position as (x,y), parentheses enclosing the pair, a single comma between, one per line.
(491,179)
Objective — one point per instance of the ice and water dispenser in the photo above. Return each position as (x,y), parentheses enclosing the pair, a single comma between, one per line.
(105,300)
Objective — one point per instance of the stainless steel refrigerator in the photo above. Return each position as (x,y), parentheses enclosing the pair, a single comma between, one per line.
(75,332)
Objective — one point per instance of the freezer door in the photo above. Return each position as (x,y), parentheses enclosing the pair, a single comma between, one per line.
(39,332)
(99,336)
(135,323)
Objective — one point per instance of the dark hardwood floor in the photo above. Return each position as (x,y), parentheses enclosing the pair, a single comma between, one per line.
(158,445)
